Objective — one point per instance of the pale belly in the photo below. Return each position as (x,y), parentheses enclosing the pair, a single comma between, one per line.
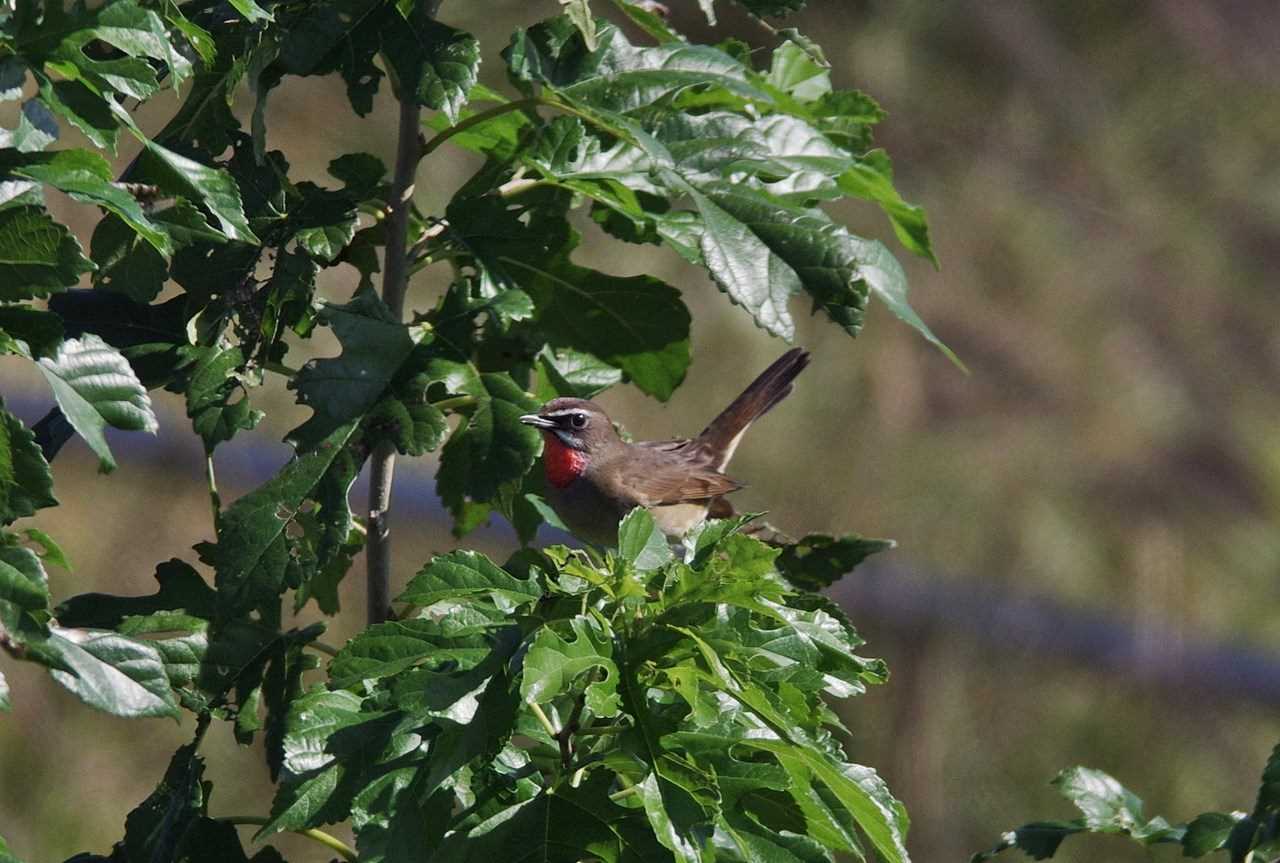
(594,517)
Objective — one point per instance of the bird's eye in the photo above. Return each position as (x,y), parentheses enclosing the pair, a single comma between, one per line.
(578,421)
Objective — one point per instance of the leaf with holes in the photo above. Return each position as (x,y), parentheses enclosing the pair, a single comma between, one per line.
(553,666)
(374,345)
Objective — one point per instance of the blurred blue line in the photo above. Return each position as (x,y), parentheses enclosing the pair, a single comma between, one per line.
(908,601)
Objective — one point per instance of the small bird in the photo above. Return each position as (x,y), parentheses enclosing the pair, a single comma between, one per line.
(594,477)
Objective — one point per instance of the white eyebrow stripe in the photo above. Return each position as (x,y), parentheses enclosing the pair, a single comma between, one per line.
(565,412)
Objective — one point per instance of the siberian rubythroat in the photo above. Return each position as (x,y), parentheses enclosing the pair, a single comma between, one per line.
(594,477)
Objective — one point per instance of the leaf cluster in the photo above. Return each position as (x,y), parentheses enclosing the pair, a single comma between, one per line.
(626,707)
(1107,807)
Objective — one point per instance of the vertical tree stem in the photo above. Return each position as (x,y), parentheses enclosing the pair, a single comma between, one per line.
(215,502)
(395,275)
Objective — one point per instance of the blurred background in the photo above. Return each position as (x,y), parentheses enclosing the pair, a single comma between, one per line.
(1087,523)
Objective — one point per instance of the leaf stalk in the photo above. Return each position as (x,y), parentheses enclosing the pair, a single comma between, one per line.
(333,843)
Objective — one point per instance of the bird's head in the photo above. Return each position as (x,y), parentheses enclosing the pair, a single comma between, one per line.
(575,423)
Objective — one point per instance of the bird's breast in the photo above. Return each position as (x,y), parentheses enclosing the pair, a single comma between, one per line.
(563,463)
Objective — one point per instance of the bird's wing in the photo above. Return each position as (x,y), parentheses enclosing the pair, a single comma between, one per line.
(650,484)
(694,451)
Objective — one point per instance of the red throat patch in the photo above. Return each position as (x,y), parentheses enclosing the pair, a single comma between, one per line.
(564,464)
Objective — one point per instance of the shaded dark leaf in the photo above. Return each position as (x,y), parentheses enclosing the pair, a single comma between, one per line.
(38,256)
(341,389)
(819,561)
(26,483)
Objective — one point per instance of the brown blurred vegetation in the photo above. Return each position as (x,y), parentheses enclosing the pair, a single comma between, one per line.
(1105,198)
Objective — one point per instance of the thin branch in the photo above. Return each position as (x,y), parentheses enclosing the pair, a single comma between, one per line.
(333,843)
(542,717)
(454,402)
(321,647)
(624,793)
(477,119)
(394,281)
(215,501)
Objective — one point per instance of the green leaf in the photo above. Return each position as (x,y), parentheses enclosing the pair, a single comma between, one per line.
(25,331)
(5,706)
(462,576)
(111,672)
(826,257)
(643,16)
(1208,832)
(23,582)
(212,188)
(388,649)
(210,389)
(154,827)
(620,77)
(579,12)
(332,749)
(37,128)
(38,256)
(1269,790)
(338,390)
(252,554)
(553,665)
(797,72)
(871,178)
(82,108)
(433,61)
(147,335)
(1109,807)
(680,801)
(250,11)
(493,449)
(415,428)
(95,388)
(566,372)
(127,263)
(857,790)
(638,324)
(498,137)
(746,269)
(26,483)
(641,543)
(566,825)
(819,561)
(87,177)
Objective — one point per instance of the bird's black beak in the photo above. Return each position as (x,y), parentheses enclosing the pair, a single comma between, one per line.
(537,421)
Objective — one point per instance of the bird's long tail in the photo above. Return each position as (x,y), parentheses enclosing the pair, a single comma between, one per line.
(772,386)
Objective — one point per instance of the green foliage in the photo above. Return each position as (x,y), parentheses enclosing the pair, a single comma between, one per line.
(638,704)
(1108,807)
(643,699)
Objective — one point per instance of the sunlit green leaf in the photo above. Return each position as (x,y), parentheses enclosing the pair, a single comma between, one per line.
(95,387)
(464,575)
(553,665)
(111,672)
(641,543)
